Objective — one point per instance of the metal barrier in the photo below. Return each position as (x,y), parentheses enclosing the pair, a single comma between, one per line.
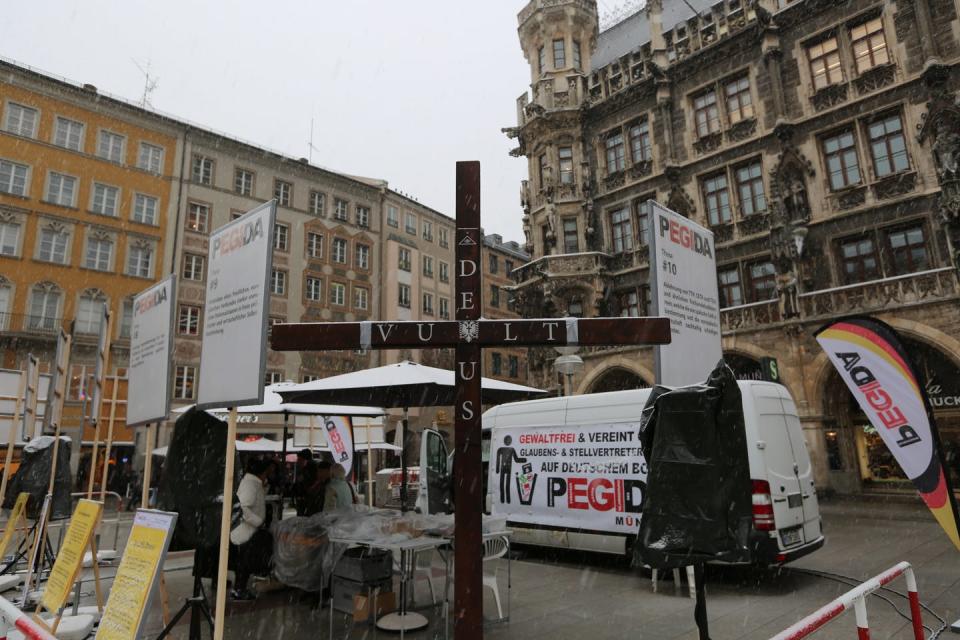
(856,598)
(11,617)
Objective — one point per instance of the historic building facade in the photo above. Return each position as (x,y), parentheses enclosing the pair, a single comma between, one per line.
(819,141)
(498,260)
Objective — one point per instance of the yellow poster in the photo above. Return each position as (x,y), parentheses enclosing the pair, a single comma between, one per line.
(70,557)
(16,515)
(136,575)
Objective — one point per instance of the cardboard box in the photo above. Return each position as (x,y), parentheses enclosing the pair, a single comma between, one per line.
(386,603)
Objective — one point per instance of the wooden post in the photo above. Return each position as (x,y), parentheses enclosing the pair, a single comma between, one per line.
(103,365)
(110,422)
(219,618)
(148,465)
(12,435)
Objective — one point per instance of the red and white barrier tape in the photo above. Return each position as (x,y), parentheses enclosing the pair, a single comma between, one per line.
(856,599)
(13,617)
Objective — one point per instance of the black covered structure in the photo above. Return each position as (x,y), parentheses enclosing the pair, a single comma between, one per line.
(33,477)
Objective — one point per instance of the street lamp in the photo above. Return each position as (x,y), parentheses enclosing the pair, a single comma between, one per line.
(568,364)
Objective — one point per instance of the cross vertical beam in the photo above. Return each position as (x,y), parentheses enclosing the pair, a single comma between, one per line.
(468,466)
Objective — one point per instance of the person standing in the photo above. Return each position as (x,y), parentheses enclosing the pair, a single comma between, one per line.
(254,546)
(338,495)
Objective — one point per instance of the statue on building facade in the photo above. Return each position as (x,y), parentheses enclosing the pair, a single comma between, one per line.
(789,294)
(946,152)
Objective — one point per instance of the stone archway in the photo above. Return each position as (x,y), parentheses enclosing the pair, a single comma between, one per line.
(617,379)
(618,363)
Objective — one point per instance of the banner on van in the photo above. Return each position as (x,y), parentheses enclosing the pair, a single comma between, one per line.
(871,359)
(589,477)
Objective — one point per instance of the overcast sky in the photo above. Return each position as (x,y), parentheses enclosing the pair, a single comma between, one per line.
(398,90)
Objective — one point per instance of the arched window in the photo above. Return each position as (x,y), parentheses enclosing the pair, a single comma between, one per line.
(90,312)
(44,306)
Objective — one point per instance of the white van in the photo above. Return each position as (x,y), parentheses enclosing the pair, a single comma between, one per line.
(586,502)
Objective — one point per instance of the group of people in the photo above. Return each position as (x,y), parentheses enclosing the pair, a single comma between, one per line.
(319,487)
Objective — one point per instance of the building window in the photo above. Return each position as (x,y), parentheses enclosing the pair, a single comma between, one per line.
(145,209)
(644,214)
(363,256)
(184,381)
(508,267)
(615,152)
(404,259)
(21,120)
(825,63)
(494,263)
(859,258)
(559,54)
(731,293)
(281,233)
(318,204)
(630,304)
(444,239)
(243,182)
(494,296)
(888,147)
(340,209)
(13,178)
(140,261)
(514,366)
(126,318)
(104,199)
(193,266)
(340,250)
(9,238)
(315,245)
(640,149)
(739,101)
(571,239)
(188,323)
(198,216)
(444,309)
(411,224)
(61,189)
(202,170)
(403,297)
(750,188)
(444,272)
(68,134)
(427,230)
(428,304)
(840,153)
(272,377)
(338,294)
(393,217)
(908,249)
(99,253)
(283,192)
(622,228)
(541,60)
(278,282)
(869,45)
(150,157)
(762,278)
(53,246)
(706,114)
(44,305)
(566,165)
(576,55)
(314,289)
(717,198)
(427,266)
(110,146)
(363,216)
(361,298)
(496,362)
(575,308)
(90,311)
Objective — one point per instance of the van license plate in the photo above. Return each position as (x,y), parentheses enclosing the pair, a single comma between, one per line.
(790,537)
(794,500)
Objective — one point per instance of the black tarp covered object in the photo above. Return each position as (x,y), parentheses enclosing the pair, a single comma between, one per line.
(697,506)
(33,477)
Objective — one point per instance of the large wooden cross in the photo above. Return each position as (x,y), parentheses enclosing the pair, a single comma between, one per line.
(469,334)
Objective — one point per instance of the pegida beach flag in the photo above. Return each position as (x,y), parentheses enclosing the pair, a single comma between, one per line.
(876,367)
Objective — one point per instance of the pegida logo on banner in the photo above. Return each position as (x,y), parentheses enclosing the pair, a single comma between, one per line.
(591,477)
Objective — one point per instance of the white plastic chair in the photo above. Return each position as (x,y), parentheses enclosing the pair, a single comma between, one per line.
(494,549)
(423,570)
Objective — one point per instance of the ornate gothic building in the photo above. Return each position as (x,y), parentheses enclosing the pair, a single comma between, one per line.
(819,139)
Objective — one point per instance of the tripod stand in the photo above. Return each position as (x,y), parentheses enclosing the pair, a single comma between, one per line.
(196,604)
(22,550)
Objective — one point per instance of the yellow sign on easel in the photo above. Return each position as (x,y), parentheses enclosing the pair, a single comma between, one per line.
(137,575)
(16,518)
(70,558)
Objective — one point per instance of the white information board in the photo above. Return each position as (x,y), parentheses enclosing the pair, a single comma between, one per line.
(233,356)
(151,348)
(683,283)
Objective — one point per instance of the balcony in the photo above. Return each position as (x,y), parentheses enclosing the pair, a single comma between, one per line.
(27,325)
(750,316)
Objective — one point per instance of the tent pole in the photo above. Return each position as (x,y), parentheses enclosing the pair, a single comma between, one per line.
(403,460)
(369,467)
(283,461)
